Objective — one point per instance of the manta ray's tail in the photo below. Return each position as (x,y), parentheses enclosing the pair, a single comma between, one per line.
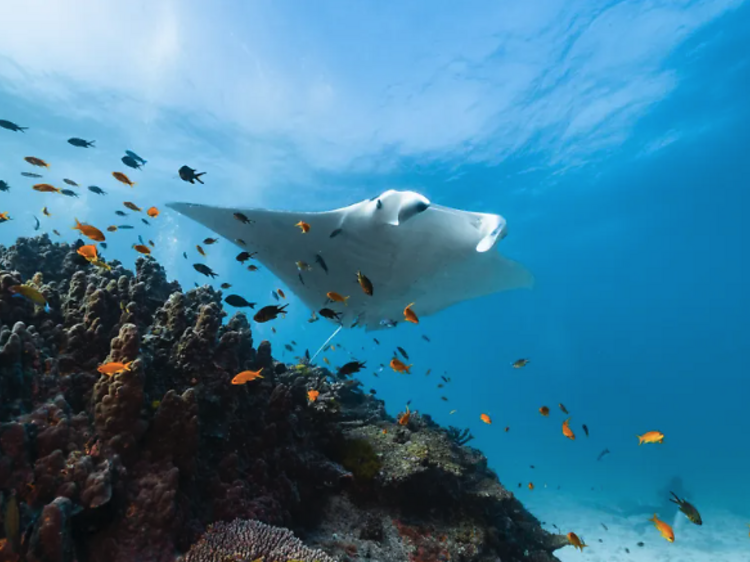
(322,347)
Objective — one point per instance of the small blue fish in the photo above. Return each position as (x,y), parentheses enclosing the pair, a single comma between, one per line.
(275,295)
(140,239)
(184,255)
(38,224)
(96,189)
(103,245)
(388,323)
(321,262)
(146,222)
(134,156)
(125,227)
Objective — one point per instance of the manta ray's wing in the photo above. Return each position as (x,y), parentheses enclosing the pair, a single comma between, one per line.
(410,250)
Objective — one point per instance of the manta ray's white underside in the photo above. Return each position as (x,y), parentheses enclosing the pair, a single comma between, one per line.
(411,250)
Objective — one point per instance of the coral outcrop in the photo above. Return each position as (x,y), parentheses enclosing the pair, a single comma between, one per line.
(168,460)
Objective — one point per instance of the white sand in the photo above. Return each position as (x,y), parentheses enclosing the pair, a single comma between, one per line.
(723,537)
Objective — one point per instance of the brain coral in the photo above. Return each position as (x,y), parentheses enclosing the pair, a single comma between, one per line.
(252,540)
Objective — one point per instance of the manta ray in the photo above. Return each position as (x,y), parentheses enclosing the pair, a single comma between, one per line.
(411,250)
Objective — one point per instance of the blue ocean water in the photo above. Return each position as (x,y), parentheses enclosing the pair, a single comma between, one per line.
(613,137)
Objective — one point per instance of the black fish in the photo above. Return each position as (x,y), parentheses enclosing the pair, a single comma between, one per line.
(300,278)
(144,221)
(376,341)
(640,544)
(98,190)
(226,285)
(242,218)
(184,255)
(204,269)
(4,186)
(209,241)
(688,509)
(121,213)
(605,527)
(321,262)
(103,245)
(373,391)
(131,162)
(336,232)
(330,314)
(240,241)
(444,398)
(242,257)
(585,429)
(70,182)
(81,143)
(188,174)
(425,338)
(238,301)
(31,175)
(69,192)
(402,351)
(563,408)
(351,368)
(36,226)
(140,239)
(288,347)
(11,126)
(380,204)
(269,313)
(444,378)
(601,455)
(408,402)
(275,295)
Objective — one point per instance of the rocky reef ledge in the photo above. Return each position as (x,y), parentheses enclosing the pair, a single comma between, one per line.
(169,461)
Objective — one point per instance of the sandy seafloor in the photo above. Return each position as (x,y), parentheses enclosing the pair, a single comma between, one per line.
(723,537)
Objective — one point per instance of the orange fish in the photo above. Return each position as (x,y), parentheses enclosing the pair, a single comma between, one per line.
(119,176)
(327,362)
(132,206)
(576,542)
(650,437)
(88,252)
(113,367)
(34,161)
(111,228)
(4,217)
(567,432)
(544,410)
(153,212)
(45,188)
(142,249)
(404,418)
(399,366)
(409,315)
(531,485)
(89,231)
(281,293)
(200,250)
(303,226)
(485,418)
(335,297)
(312,395)
(247,376)
(665,530)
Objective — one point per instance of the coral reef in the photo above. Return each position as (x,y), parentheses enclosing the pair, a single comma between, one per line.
(138,465)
